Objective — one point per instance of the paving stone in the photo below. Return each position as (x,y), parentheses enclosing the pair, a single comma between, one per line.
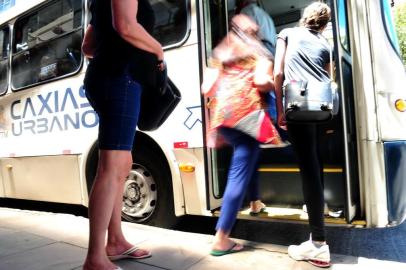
(248,259)
(5,231)
(17,242)
(56,256)
(32,240)
(176,250)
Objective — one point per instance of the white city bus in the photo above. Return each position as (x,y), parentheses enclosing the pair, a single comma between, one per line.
(48,131)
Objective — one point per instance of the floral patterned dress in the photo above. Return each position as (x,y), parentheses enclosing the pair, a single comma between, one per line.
(238,104)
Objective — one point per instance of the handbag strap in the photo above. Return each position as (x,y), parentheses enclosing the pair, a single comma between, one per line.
(331,62)
(330,56)
(330,53)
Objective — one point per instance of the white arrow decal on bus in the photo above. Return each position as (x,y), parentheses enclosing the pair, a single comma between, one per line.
(195,115)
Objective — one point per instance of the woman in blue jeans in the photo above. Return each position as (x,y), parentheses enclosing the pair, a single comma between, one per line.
(244,164)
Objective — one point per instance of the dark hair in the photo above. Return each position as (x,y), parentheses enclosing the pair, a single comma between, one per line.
(316,16)
(240,4)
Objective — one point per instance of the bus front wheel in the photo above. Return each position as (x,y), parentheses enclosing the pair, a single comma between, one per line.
(147,197)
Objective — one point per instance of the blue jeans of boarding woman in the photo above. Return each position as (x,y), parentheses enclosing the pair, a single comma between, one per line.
(241,176)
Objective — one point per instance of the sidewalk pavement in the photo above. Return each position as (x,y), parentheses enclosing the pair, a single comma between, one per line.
(31,240)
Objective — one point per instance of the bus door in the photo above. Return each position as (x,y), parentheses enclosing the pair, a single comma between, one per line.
(214,25)
(344,79)
(279,175)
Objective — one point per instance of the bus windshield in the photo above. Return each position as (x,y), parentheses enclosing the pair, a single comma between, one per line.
(395,22)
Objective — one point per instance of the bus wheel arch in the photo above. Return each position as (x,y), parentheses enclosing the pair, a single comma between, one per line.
(148,193)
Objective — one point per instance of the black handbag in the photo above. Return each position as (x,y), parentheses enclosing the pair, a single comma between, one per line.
(157,105)
(315,102)
(159,96)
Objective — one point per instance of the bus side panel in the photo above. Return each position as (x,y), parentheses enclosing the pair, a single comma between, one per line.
(389,76)
(194,188)
(370,147)
(395,163)
(46,178)
(48,120)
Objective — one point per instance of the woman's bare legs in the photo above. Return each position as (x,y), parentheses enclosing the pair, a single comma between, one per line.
(113,168)
(116,242)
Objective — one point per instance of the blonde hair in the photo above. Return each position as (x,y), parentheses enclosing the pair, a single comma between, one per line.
(316,16)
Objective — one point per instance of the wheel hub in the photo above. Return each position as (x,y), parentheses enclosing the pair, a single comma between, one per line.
(133,192)
(140,195)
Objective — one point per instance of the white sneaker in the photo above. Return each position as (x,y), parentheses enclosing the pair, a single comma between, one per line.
(307,251)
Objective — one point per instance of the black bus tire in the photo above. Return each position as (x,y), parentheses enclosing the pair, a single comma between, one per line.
(148,193)
(150,165)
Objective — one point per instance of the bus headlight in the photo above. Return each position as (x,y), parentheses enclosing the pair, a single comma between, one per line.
(400,105)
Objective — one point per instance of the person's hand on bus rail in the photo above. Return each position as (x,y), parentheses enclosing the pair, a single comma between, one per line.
(282,121)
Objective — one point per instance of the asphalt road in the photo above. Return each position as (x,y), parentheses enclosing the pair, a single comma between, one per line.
(382,244)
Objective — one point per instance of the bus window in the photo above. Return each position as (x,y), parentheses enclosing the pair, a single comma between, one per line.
(4,53)
(171,21)
(47,43)
(343,25)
